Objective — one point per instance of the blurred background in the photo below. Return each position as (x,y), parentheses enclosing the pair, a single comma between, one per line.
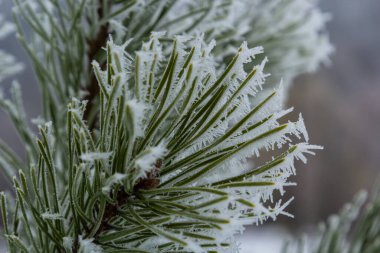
(341,107)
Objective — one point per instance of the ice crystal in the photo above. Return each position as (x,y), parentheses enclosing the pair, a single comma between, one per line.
(87,246)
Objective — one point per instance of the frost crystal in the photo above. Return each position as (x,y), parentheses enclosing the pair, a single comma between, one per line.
(68,242)
(90,157)
(51,216)
(87,246)
(111,181)
(147,160)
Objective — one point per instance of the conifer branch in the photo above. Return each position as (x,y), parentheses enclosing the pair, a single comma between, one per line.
(155,159)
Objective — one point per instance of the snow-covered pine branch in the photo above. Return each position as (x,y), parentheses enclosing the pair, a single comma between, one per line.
(151,155)
(166,170)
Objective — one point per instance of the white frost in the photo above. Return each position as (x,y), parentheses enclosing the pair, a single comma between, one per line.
(87,246)
(147,160)
(93,156)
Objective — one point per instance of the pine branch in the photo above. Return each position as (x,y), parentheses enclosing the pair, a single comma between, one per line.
(164,169)
(156,176)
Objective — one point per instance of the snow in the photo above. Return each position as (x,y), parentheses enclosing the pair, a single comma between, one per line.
(92,156)
(146,161)
(268,239)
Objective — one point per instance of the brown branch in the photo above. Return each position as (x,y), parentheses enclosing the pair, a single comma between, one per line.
(111,211)
(94,47)
(151,181)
